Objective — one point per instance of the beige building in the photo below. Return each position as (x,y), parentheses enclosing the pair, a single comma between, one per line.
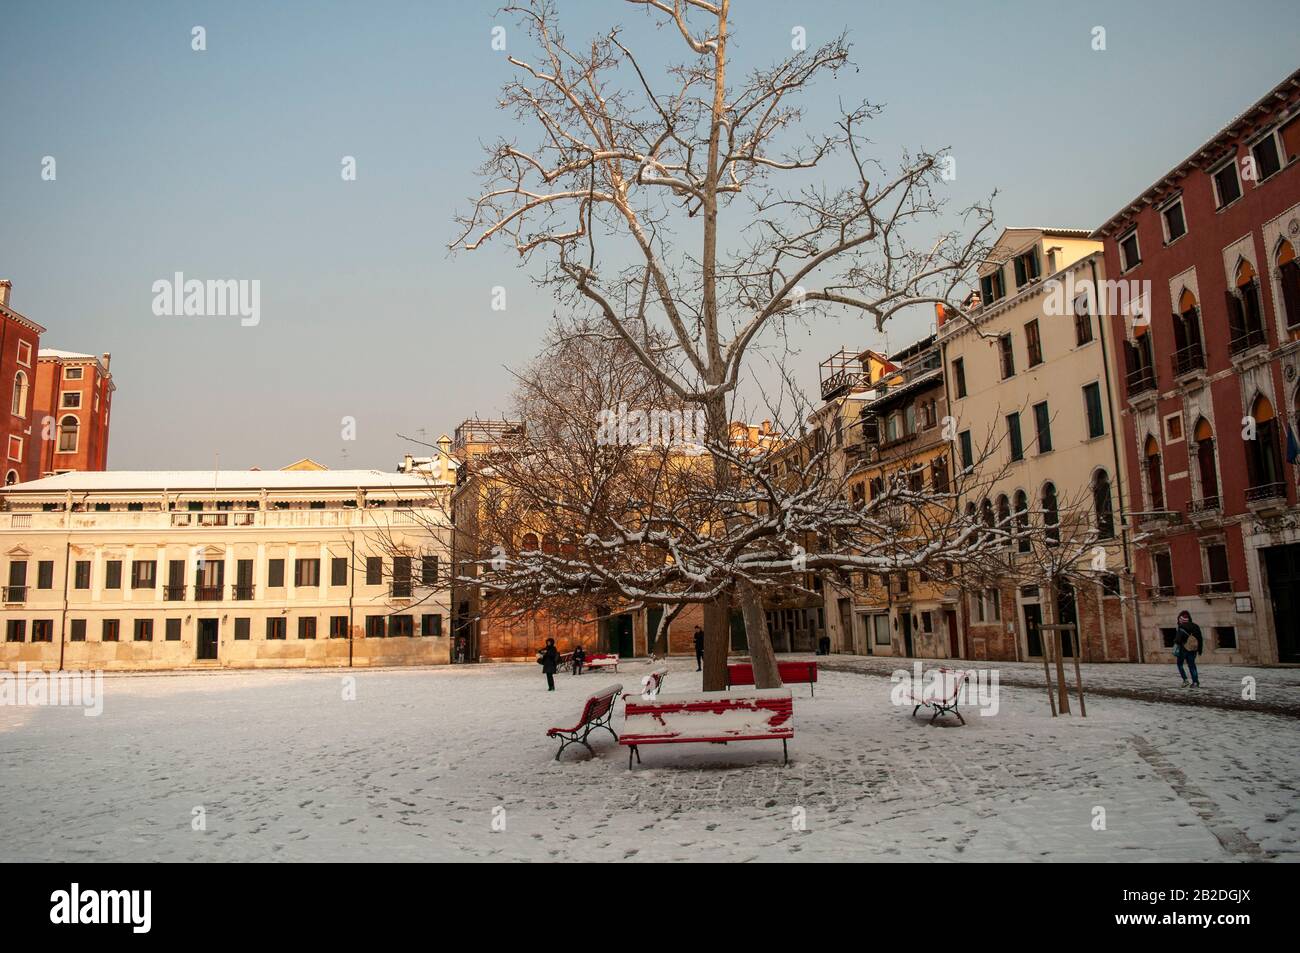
(1030,385)
(214,569)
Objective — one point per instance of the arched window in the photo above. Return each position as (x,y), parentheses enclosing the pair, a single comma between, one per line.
(1187,335)
(1051,514)
(1103,505)
(1245,317)
(529,544)
(68,427)
(19,407)
(1288,271)
(1022,521)
(1262,457)
(1004,517)
(986,515)
(1155,474)
(11,478)
(1203,435)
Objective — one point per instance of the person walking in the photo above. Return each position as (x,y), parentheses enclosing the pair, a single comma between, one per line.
(699,648)
(1188,644)
(549,659)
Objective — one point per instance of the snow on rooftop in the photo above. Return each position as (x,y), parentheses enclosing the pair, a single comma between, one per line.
(66,355)
(159,480)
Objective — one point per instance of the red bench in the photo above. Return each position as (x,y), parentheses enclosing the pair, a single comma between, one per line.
(596,713)
(942,698)
(600,660)
(742,673)
(717,717)
(653,683)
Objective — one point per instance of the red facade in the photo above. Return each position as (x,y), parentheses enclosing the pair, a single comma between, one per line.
(20,340)
(1210,370)
(74,396)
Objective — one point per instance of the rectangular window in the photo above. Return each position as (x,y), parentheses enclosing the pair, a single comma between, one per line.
(1007,356)
(959,376)
(306,572)
(1267,159)
(78,631)
(307,627)
(967,451)
(143,630)
(1014,441)
(993,612)
(428,570)
(1216,560)
(275,573)
(81,574)
(431,624)
(1172,217)
(1082,321)
(1034,343)
(374,627)
(72,373)
(110,630)
(1225,636)
(880,627)
(42,630)
(113,574)
(992,287)
(1027,268)
(374,570)
(1130,255)
(1164,572)
(173,633)
(977,606)
(275,629)
(1168,636)
(1227,188)
(1043,425)
(71,400)
(1092,404)
(402,626)
(339,571)
(242,627)
(45,574)
(338,627)
(143,573)
(16,630)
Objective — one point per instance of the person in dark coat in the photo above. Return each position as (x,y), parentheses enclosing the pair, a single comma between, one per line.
(549,659)
(1188,643)
(699,648)
(579,656)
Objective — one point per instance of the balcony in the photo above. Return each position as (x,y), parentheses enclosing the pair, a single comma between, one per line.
(1219,587)
(1160,592)
(1189,360)
(1140,380)
(241,593)
(15,594)
(1248,340)
(1205,508)
(207,593)
(173,593)
(1265,492)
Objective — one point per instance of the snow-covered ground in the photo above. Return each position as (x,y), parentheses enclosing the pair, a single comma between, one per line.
(423,764)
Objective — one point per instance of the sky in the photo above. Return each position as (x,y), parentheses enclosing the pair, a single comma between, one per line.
(226,163)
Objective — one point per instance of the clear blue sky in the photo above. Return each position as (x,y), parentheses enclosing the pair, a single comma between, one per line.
(226,164)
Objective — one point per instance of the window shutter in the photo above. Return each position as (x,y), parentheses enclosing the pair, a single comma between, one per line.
(1236,317)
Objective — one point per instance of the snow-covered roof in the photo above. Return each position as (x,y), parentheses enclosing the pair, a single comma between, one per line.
(66,355)
(118,480)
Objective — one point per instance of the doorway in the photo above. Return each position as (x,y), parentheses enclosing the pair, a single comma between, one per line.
(905,622)
(1033,632)
(621,636)
(208,630)
(954,649)
(1282,563)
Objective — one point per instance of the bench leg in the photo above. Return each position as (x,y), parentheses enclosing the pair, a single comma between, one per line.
(785,752)
(632,750)
(915,710)
(574,741)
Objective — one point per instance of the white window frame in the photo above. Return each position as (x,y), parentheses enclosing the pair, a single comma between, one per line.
(1275,135)
(1125,264)
(69,376)
(10,449)
(63,400)
(25,347)
(58,434)
(1164,222)
(1214,182)
(1166,440)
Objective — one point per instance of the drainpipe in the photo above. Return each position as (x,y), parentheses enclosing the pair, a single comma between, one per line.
(1114,445)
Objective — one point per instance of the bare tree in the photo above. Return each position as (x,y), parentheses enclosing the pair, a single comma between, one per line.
(675,199)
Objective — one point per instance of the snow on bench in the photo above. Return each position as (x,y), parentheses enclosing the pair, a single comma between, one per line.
(653,682)
(942,697)
(596,713)
(718,717)
(600,661)
(742,673)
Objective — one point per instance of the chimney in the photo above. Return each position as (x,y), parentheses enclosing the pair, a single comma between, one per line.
(106,357)
(6,286)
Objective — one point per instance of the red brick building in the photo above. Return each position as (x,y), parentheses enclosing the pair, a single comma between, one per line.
(73,397)
(19,344)
(1210,391)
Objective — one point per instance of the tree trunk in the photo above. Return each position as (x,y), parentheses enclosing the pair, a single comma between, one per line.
(717,643)
(761,655)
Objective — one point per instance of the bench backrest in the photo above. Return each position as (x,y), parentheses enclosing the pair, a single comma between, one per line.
(742,673)
(599,704)
(711,716)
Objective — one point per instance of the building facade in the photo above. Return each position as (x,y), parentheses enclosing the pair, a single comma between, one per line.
(1211,391)
(225,569)
(73,401)
(1032,392)
(20,339)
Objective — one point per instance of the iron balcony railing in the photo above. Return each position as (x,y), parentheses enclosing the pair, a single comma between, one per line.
(1142,379)
(1216,587)
(173,593)
(241,592)
(1265,491)
(15,593)
(207,593)
(1189,359)
(1250,338)
(1207,504)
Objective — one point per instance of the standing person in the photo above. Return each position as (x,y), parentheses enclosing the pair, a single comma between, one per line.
(549,659)
(699,648)
(1187,645)
(579,656)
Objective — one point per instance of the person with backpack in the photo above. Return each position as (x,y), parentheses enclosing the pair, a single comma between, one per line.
(1188,644)
(549,659)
